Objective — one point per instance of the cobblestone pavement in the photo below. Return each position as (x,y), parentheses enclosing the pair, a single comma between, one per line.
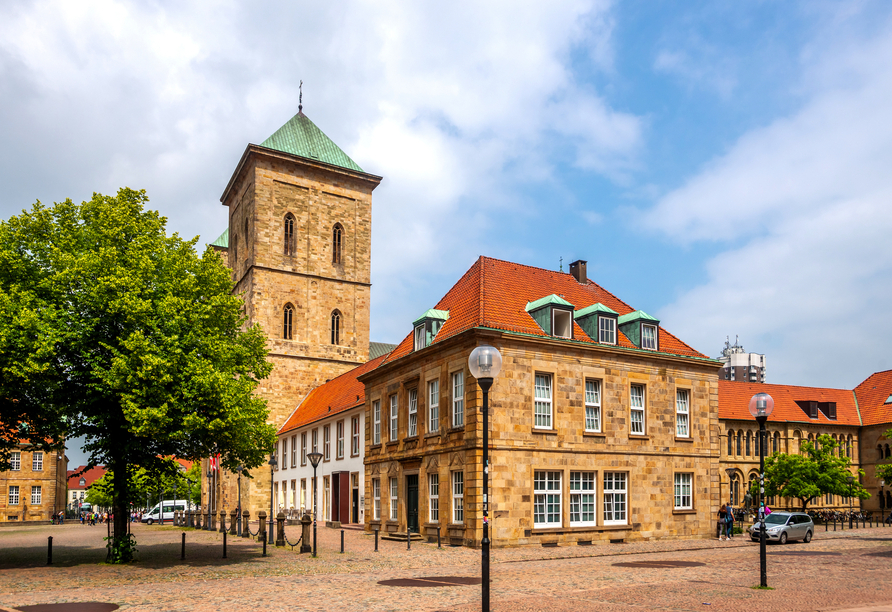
(845,570)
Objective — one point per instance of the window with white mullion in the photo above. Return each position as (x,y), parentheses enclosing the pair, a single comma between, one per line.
(458,497)
(458,399)
(394,499)
(433,403)
(394,418)
(354,449)
(547,499)
(340,440)
(637,409)
(37,461)
(413,412)
(682,413)
(376,496)
(13,495)
(36,495)
(433,497)
(582,499)
(593,405)
(376,420)
(607,330)
(303,448)
(15,461)
(542,405)
(683,491)
(615,498)
(649,337)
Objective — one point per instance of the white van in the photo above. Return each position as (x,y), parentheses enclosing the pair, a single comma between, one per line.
(170,506)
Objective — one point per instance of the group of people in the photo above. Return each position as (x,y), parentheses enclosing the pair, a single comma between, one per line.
(91,518)
(727,516)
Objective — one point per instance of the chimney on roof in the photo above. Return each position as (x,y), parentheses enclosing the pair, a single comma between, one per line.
(577,269)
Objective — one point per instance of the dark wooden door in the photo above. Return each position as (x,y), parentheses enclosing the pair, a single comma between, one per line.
(355,505)
(412,503)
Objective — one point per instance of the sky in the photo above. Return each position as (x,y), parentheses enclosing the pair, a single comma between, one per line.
(723,166)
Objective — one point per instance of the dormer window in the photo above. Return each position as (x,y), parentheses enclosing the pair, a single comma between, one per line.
(599,322)
(642,329)
(427,326)
(649,337)
(888,400)
(607,330)
(554,315)
(82,482)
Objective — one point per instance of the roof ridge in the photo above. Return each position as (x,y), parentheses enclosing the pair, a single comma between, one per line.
(761,384)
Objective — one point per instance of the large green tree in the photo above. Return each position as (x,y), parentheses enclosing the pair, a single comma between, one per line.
(817,470)
(146,489)
(124,336)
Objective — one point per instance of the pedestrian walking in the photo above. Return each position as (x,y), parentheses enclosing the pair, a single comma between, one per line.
(723,521)
(730,520)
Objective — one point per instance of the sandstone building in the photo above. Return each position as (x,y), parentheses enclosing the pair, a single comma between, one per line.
(34,489)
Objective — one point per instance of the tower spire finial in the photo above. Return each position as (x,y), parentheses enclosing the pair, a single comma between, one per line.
(300,103)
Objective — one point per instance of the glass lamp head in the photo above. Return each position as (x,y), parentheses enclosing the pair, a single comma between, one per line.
(851,479)
(485,362)
(273,462)
(761,405)
(315,458)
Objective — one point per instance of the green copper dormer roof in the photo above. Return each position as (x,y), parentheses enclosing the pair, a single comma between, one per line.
(432,313)
(636,315)
(222,241)
(594,308)
(548,299)
(301,137)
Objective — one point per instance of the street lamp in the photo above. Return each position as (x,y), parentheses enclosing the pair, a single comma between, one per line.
(273,462)
(761,405)
(851,479)
(239,518)
(315,457)
(207,526)
(485,362)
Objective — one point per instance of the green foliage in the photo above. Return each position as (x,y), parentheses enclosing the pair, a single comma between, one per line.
(817,471)
(883,471)
(121,549)
(147,488)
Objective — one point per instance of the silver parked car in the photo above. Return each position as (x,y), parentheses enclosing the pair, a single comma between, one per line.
(783,526)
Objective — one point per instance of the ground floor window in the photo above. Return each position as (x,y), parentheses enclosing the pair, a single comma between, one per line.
(376,497)
(326,498)
(13,495)
(615,498)
(394,499)
(433,481)
(458,497)
(582,498)
(683,488)
(303,494)
(547,499)
(36,494)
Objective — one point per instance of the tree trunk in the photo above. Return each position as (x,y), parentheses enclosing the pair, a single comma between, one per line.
(122,551)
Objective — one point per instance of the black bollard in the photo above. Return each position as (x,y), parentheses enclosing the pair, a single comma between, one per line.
(264,547)
(376,540)
(408,539)
(438,538)
(834,524)
(342,541)
(183,548)
(49,550)
(826,526)
(224,544)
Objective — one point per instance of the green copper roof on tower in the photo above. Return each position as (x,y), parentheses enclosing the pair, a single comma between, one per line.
(301,137)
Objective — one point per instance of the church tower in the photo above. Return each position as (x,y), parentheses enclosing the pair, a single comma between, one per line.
(299,247)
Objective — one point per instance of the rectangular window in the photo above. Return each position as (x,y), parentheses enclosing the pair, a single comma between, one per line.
(35,495)
(683,488)
(376,497)
(340,438)
(420,337)
(547,499)
(394,499)
(394,418)
(458,399)
(326,497)
(433,486)
(315,440)
(637,410)
(543,401)
(607,330)
(615,498)
(649,337)
(276,455)
(303,494)
(354,447)
(326,442)
(284,453)
(303,448)
(593,405)
(294,451)
(15,460)
(682,413)
(433,402)
(376,420)
(413,412)
(458,497)
(37,461)
(13,495)
(562,323)
(582,498)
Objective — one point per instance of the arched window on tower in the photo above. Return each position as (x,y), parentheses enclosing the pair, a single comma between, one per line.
(739,442)
(287,320)
(336,327)
(749,437)
(337,237)
(757,439)
(776,443)
(290,242)
(730,442)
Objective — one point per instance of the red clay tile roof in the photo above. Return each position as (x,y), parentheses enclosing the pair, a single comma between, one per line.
(494,294)
(90,476)
(336,396)
(734,399)
(872,395)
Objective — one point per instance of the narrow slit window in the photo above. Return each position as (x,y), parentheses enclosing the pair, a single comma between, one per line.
(336,327)
(287,320)
(337,236)
(290,242)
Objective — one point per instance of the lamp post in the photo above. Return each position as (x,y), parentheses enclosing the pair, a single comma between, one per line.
(851,479)
(207,526)
(315,457)
(273,462)
(485,362)
(760,406)
(239,480)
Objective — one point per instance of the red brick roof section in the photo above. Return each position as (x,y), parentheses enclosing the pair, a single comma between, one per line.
(872,395)
(335,396)
(494,294)
(90,476)
(734,400)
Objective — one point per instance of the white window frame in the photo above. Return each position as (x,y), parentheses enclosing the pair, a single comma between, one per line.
(326,443)
(394,418)
(458,497)
(316,440)
(354,425)
(15,461)
(413,413)
(608,331)
(543,407)
(284,453)
(583,499)
(420,337)
(649,343)
(637,407)
(13,495)
(36,495)
(566,321)
(433,403)
(616,498)
(339,437)
(37,461)
(592,405)
(433,496)
(303,448)
(394,499)
(682,413)
(458,399)
(376,499)
(684,491)
(294,451)
(547,499)
(376,422)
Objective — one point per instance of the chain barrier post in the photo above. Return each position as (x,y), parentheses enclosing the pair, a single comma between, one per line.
(342,541)
(264,545)
(183,548)
(246,517)
(224,543)
(376,540)
(49,550)
(408,539)
(280,529)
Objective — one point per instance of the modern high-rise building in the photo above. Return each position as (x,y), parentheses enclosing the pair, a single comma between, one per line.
(740,365)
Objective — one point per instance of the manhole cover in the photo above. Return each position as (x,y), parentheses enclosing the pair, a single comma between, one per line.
(78,606)
(431,581)
(659,564)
